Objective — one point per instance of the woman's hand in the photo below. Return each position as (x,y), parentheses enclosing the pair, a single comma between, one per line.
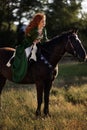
(36,41)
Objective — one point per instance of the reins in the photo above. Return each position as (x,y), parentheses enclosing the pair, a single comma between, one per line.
(69,42)
(43,58)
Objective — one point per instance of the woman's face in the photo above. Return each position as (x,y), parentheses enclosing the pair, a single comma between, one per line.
(43,22)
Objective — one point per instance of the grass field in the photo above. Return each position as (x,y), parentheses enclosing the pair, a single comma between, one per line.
(68,103)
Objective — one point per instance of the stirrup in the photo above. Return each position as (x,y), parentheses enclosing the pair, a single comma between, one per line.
(10,60)
(8,64)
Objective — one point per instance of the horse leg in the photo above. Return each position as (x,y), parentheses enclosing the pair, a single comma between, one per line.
(46,97)
(39,87)
(2,83)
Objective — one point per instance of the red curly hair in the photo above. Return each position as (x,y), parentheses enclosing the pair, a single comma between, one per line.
(35,22)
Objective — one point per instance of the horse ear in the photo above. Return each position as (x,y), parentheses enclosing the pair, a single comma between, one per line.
(75,30)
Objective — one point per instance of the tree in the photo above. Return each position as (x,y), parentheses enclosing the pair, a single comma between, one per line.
(62,15)
(16,10)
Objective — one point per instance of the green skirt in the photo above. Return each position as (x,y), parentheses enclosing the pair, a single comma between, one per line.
(20,65)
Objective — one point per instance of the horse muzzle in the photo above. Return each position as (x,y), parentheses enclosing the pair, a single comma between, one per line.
(86,59)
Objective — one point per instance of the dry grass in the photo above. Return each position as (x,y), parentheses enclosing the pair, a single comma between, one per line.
(19,105)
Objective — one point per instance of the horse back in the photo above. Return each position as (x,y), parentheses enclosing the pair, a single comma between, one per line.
(5,54)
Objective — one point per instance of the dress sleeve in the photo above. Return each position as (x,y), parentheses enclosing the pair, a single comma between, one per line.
(28,41)
(33,34)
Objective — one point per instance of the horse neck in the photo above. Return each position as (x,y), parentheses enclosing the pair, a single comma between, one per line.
(54,51)
(57,55)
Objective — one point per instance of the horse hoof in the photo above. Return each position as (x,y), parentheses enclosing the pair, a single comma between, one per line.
(47,116)
(38,113)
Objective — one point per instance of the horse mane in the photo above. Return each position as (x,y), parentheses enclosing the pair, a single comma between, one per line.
(47,47)
(56,39)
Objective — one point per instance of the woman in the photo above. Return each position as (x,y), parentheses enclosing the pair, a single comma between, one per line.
(34,33)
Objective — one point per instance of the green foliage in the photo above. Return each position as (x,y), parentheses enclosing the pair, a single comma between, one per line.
(64,15)
(61,15)
(7,38)
(72,74)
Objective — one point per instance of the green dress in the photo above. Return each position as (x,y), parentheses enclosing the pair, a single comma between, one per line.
(20,64)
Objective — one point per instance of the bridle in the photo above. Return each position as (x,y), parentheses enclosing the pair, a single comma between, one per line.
(70,43)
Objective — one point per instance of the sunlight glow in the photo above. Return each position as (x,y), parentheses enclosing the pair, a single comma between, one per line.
(84,6)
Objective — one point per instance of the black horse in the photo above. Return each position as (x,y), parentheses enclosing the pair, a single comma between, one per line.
(42,73)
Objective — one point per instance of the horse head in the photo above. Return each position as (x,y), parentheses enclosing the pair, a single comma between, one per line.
(75,47)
